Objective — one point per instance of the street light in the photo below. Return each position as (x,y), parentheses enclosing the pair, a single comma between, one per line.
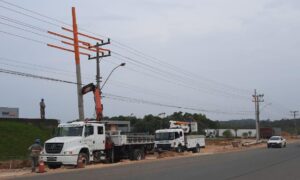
(122,64)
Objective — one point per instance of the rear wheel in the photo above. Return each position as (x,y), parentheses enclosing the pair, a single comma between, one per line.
(137,155)
(111,156)
(179,149)
(196,149)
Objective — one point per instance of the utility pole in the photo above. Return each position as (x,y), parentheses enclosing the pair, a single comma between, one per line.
(295,113)
(257,98)
(98,75)
(78,71)
(80,47)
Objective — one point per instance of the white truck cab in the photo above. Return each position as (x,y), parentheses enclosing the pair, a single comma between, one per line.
(167,139)
(177,138)
(73,140)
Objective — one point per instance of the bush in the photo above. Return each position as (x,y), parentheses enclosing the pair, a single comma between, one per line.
(227,134)
(245,135)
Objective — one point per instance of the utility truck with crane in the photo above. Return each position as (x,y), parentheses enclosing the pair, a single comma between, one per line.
(179,137)
(93,141)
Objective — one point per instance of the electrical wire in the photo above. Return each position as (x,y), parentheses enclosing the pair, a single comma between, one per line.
(119,44)
(136,51)
(112,96)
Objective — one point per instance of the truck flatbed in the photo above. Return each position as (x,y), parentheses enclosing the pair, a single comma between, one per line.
(130,139)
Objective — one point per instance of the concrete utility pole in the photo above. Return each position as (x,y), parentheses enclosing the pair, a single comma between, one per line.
(295,113)
(78,71)
(257,98)
(98,77)
(77,45)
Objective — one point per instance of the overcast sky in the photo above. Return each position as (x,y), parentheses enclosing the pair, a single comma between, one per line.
(207,55)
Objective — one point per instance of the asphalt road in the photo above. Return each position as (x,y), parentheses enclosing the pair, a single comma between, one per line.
(252,164)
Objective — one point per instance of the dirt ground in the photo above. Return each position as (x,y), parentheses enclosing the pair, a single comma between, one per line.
(212,147)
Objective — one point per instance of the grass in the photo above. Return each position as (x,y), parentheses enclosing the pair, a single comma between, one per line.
(15,138)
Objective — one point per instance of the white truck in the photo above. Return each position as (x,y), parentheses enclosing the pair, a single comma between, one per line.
(178,138)
(90,142)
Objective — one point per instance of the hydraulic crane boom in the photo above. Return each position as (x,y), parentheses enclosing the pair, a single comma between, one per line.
(97,98)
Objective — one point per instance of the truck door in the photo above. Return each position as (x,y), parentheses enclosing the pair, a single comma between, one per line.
(99,137)
(89,136)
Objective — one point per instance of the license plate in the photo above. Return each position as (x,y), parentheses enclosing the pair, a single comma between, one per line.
(51,158)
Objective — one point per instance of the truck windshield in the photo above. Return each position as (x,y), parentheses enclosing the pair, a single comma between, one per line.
(69,131)
(164,136)
(275,138)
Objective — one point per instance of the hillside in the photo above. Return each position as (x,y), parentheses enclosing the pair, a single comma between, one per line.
(17,137)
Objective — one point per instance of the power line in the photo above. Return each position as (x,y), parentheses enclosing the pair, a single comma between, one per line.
(147,56)
(18,64)
(23,37)
(29,31)
(28,75)
(34,76)
(22,23)
(135,62)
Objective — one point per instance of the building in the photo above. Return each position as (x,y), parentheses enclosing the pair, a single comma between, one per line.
(235,133)
(6,112)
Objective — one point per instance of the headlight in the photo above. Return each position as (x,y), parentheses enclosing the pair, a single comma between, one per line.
(68,152)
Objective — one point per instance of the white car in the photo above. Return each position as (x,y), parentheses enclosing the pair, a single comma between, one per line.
(276,141)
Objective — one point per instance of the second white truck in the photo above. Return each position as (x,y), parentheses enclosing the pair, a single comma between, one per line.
(178,137)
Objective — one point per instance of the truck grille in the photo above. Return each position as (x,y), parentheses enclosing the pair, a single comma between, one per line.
(53,147)
(164,146)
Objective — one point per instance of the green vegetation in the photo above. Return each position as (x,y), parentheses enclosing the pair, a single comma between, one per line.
(245,135)
(16,137)
(150,123)
(227,134)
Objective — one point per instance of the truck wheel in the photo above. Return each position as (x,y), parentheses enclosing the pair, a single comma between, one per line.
(137,155)
(196,149)
(110,156)
(179,149)
(84,157)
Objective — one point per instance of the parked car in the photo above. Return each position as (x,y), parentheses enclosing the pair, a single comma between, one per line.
(276,141)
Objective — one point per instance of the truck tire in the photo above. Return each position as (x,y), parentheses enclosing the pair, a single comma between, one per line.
(196,149)
(111,156)
(179,149)
(137,155)
(85,158)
